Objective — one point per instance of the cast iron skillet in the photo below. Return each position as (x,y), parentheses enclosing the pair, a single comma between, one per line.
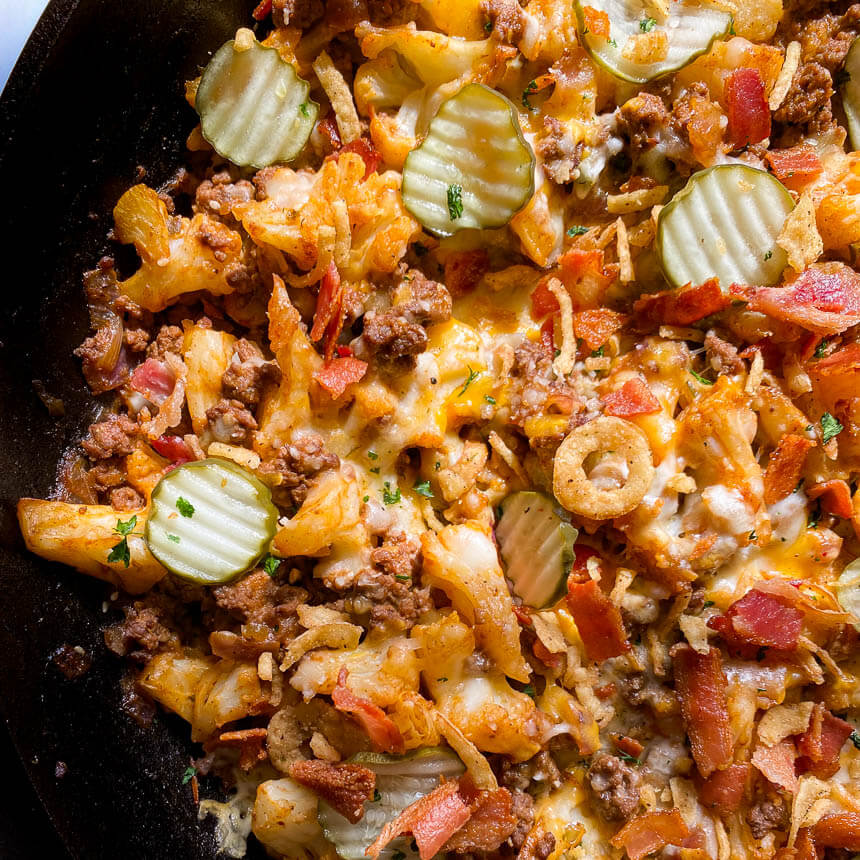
(97,92)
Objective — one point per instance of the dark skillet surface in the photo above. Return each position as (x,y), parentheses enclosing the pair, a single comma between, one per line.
(97,92)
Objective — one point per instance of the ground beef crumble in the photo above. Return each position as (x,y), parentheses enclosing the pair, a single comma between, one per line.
(298,464)
(248,373)
(115,436)
(615,786)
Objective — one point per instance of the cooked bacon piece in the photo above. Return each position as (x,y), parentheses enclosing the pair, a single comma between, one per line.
(651,831)
(627,745)
(328,317)
(785,467)
(596,21)
(777,764)
(383,734)
(683,306)
(262,10)
(543,301)
(251,744)
(835,497)
(175,448)
(700,685)
(463,270)
(822,742)
(633,398)
(724,789)
(368,152)
(154,380)
(839,830)
(598,621)
(337,375)
(584,276)
(491,820)
(760,620)
(749,114)
(795,167)
(597,326)
(432,820)
(824,299)
(345,786)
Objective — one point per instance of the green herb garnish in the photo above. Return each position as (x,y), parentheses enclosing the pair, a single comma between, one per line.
(647,24)
(121,552)
(455,202)
(830,427)
(699,378)
(576,230)
(189,774)
(173,538)
(473,375)
(389,496)
(185,507)
(423,489)
(271,563)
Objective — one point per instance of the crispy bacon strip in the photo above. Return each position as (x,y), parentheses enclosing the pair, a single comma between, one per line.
(724,789)
(262,10)
(683,306)
(175,448)
(250,742)
(777,764)
(822,742)
(363,147)
(835,497)
(544,303)
(432,820)
(154,380)
(824,299)
(795,167)
(838,830)
(700,685)
(585,276)
(490,823)
(760,620)
(748,111)
(597,326)
(633,398)
(598,621)
(785,466)
(649,832)
(328,317)
(463,270)
(337,375)
(383,733)
(345,786)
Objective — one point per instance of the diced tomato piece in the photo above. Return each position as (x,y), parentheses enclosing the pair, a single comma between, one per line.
(262,11)
(598,621)
(785,467)
(776,763)
(343,351)
(633,398)
(543,301)
(463,270)
(596,21)
(368,152)
(749,114)
(595,327)
(759,620)
(823,299)
(835,497)
(383,733)
(175,448)
(651,831)
(724,789)
(701,685)
(585,277)
(795,167)
(337,375)
(838,830)
(684,305)
(822,742)
(154,380)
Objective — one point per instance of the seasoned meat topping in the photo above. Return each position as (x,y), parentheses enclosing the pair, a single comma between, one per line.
(615,786)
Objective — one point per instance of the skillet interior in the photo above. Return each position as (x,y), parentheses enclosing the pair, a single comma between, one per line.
(98,91)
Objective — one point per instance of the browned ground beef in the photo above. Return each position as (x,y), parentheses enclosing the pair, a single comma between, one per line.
(230,422)
(297,464)
(615,786)
(640,119)
(766,815)
(248,374)
(115,436)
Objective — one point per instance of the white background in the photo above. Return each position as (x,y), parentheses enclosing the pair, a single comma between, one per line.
(17,19)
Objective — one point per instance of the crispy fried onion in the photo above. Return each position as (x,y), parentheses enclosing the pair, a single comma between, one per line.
(340,96)
(339,634)
(782,84)
(578,493)
(782,721)
(327,243)
(810,802)
(476,764)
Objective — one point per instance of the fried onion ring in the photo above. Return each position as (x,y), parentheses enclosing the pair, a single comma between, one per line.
(572,486)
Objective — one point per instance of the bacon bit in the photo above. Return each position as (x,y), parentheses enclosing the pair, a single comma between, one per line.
(547,337)
(835,498)
(839,830)
(175,448)
(464,269)
(546,656)
(597,326)
(154,380)
(490,823)
(607,691)
(337,375)
(596,22)
(795,167)
(823,299)
(195,789)
(759,620)
(523,616)
(651,831)
(785,467)
(633,398)
(630,746)
(683,306)
(432,820)
(251,744)
(369,155)
(777,764)
(329,130)
(598,621)
(343,351)
(328,317)
(822,742)
(543,301)
(581,555)
(700,685)
(383,733)
(585,276)
(749,114)
(345,786)
(723,790)
(262,11)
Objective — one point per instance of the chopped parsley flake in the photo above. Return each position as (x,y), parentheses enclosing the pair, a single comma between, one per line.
(627,757)
(732,26)
(597,353)
(442,680)
(490,400)
(768,255)
(121,552)
(402,577)
(473,375)
(488,26)
(423,489)
(189,774)
(455,202)
(185,507)
(576,230)
(365,499)
(821,349)
(372,455)
(646,25)
(855,738)
(389,496)
(126,528)
(612,42)
(700,379)
(529,90)
(173,538)
(830,427)
(529,690)
(376,795)
(708,603)
(303,108)
(271,564)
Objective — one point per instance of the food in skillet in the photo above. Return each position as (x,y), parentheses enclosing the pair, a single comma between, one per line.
(479,466)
